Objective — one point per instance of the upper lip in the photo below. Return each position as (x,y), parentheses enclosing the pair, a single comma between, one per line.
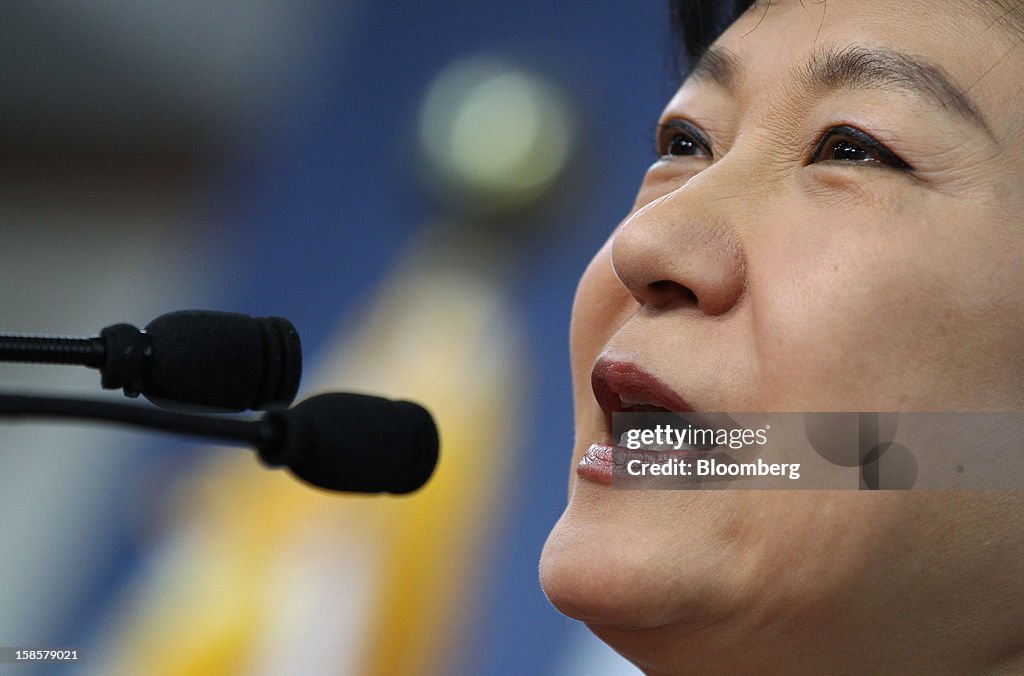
(614,380)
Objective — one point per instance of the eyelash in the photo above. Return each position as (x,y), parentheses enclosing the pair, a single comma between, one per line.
(844,136)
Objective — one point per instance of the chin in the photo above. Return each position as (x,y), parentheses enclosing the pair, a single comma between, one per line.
(713,579)
(659,606)
(644,559)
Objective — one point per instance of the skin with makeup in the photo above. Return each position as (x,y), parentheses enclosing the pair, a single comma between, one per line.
(833,222)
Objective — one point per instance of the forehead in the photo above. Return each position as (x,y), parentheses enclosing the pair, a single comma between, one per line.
(977,45)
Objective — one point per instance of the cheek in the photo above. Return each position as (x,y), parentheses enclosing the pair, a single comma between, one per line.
(601,307)
(828,331)
(889,320)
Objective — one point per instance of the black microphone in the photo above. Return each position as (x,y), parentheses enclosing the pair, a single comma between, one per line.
(354,442)
(341,442)
(221,360)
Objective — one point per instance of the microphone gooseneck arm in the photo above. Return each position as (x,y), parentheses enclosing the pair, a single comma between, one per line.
(91,352)
(228,430)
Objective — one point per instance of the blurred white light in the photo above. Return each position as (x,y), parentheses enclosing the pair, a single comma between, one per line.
(499,136)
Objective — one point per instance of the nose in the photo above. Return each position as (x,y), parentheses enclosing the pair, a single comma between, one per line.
(676,252)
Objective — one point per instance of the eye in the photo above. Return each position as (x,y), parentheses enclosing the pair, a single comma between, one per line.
(850,145)
(679,138)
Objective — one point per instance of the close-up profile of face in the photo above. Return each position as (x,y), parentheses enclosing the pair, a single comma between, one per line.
(833,222)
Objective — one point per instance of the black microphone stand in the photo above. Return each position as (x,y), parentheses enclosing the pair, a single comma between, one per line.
(91,352)
(259,433)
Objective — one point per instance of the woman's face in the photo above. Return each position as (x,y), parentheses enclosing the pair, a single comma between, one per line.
(835,222)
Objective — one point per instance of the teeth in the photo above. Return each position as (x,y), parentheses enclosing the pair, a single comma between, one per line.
(669,444)
(628,401)
(624,443)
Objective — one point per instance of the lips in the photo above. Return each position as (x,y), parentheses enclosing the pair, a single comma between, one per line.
(623,387)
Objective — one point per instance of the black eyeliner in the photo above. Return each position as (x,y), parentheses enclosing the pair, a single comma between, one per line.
(865,140)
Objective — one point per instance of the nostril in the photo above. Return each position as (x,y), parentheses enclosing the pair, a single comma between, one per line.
(666,292)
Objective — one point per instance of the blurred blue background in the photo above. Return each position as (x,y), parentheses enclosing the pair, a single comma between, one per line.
(267,158)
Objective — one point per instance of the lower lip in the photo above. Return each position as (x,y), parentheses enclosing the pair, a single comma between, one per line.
(599,462)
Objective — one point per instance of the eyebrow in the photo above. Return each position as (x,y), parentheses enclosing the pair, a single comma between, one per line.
(717,65)
(856,67)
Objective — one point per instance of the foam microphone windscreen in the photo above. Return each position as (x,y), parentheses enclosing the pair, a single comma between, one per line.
(222,360)
(354,442)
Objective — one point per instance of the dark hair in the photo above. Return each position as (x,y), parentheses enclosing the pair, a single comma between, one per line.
(698,23)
